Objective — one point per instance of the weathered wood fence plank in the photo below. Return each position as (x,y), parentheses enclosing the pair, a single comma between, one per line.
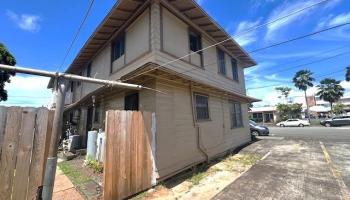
(3,116)
(22,160)
(129,161)
(9,148)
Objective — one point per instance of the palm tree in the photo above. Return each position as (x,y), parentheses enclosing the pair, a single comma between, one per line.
(302,80)
(330,90)
(347,75)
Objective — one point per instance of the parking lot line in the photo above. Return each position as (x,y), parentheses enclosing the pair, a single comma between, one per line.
(336,173)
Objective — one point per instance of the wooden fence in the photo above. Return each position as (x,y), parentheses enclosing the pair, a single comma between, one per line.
(24,141)
(129,165)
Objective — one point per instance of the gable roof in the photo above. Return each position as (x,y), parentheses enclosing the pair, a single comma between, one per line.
(122,13)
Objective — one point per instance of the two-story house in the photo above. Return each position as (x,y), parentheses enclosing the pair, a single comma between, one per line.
(202,109)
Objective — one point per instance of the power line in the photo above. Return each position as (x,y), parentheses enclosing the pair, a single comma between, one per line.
(305,64)
(300,37)
(274,85)
(229,38)
(77,33)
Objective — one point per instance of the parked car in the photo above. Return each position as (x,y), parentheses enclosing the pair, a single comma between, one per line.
(258,130)
(336,121)
(294,122)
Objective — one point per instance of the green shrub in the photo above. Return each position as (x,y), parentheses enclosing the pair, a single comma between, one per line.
(93,164)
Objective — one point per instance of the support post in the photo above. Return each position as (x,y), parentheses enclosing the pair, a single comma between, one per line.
(51,163)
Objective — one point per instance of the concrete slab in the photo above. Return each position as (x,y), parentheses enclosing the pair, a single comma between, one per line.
(294,169)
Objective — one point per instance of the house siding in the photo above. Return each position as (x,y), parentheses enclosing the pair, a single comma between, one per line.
(176,134)
(175,42)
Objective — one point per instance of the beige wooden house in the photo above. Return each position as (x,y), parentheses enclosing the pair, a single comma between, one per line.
(202,110)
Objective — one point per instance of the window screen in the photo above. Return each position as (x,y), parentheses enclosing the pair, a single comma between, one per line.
(221,61)
(234,69)
(118,48)
(202,107)
(236,115)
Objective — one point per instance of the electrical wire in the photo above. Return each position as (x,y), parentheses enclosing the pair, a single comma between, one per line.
(229,38)
(77,33)
(300,37)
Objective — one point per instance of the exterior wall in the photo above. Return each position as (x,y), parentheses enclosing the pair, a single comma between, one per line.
(177,136)
(175,44)
(137,44)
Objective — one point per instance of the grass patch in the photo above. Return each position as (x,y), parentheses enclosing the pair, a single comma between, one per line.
(242,160)
(73,173)
(196,178)
(93,164)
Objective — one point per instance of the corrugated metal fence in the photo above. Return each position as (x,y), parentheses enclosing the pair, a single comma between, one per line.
(24,141)
(130,146)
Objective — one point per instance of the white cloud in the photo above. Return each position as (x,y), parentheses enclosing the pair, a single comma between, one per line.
(332,20)
(243,36)
(274,29)
(339,34)
(28,91)
(24,21)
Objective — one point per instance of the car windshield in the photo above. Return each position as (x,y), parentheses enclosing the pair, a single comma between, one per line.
(252,122)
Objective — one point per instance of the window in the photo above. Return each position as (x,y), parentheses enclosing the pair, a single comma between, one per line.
(88,70)
(221,61)
(234,69)
(131,102)
(195,42)
(236,115)
(202,107)
(71,86)
(118,48)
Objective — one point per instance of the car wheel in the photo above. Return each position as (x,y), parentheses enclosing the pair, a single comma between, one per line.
(301,125)
(328,124)
(255,133)
(282,125)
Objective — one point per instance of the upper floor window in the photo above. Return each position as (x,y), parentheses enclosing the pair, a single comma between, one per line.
(236,115)
(195,42)
(202,107)
(118,48)
(234,69)
(221,61)
(88,70)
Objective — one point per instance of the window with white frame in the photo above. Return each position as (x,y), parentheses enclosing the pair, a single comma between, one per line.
(236,115)
(202,107)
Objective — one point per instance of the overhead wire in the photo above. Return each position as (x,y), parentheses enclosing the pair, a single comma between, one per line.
(229,38)
(77,33)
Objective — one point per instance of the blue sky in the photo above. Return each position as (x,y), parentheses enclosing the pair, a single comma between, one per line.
(39,32)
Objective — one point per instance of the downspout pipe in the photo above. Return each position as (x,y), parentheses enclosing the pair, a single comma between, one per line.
(196,126)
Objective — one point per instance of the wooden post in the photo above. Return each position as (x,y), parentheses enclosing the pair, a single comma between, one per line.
(51,163)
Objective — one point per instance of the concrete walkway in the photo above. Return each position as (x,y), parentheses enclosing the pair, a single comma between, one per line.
(64,188)
(294,169)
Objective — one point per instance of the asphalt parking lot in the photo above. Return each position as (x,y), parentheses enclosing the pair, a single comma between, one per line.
(298,163)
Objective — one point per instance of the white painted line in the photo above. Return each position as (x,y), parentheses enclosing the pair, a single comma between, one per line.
(336,173)
(266,155)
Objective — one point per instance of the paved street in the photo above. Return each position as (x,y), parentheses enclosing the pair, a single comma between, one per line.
(298,163)
(318,133)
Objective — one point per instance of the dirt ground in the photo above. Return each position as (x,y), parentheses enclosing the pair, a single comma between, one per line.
(206,183)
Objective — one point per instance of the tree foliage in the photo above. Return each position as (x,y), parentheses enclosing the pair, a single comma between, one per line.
(338,108)
(287,111)
(347,75)
(330,90)
(303,79)
(284,91)
(6,58)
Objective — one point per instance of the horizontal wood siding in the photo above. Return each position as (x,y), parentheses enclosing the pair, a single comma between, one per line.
(176,135)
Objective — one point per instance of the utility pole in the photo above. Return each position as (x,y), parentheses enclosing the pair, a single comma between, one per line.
(60,92)
(51,164)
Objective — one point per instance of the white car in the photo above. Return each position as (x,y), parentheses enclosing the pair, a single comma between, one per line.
(294,122)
